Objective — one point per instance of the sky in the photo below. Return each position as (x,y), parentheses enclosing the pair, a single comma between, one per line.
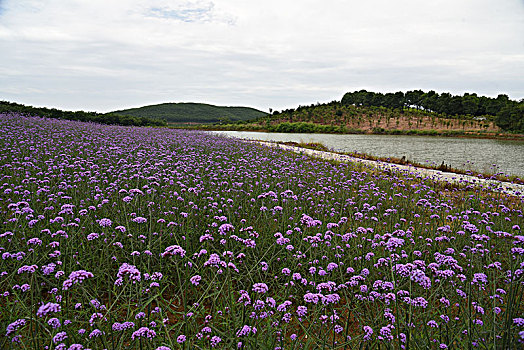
(104,55)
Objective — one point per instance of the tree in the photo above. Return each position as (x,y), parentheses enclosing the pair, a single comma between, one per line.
(430,100)
(444,103)
(511,118)
(470,103)
(455,106)
(414,98)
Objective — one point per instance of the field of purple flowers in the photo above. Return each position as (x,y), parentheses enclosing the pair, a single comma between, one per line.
(120,237)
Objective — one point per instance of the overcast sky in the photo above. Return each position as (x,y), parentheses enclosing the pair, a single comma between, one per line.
(102,55)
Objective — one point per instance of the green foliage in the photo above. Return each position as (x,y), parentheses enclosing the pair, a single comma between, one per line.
(445,103)
(193,113)
(511,118)
(107,118)
(302,127)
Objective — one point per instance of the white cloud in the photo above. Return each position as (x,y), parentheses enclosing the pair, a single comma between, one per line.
(200,11)
(103,55)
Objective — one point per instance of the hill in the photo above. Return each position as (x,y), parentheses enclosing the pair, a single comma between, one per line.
(413,112)
(178,113)
(334,117)
(101,118)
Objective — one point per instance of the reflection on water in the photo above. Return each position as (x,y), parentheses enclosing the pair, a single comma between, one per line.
(488,156)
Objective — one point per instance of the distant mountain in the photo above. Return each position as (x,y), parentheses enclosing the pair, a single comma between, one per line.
(176,113)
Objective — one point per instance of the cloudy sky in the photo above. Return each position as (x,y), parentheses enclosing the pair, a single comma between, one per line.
(102,55)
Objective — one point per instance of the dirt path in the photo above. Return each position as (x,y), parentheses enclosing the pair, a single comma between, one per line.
(437,175)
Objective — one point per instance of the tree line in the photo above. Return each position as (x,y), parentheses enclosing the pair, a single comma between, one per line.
(509,114)
(102,118)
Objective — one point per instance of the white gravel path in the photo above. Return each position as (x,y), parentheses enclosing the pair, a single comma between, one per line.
(437,175)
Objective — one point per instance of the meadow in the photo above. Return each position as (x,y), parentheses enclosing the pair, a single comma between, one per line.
(120,237)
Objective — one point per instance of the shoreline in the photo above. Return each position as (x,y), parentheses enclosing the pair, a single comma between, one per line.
(411,132)
(402,161)
(509,188)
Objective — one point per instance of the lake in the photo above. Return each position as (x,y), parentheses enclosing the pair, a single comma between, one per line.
(481,155)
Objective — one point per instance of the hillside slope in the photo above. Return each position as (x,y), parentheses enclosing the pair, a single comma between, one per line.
(193,112)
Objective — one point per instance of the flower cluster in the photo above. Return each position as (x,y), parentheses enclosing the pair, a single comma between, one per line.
(161,238)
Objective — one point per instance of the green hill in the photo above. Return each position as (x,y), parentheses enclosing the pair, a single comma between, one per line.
(176,113)
(102,118)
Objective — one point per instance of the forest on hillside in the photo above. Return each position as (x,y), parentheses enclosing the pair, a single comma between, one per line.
(509,114)
(400,112)
(101,118)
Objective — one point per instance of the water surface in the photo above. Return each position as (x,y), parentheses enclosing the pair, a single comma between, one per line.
(480,155)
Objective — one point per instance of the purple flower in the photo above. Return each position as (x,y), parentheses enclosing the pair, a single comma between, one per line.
(260,288)
(479,278)
(76,347)
(27,268)
(143,332)
(195,280)
(244,331)
(34,241)
(122,326)
(54,322)
(59,337)
(301,311)
(331,266)
(48,269)
(283,307)
(95,333)
(385,333)
(478,322)
(139,220)
(433,324)
(12,327)
(519,321)
(181,338)
(95,316)
(174,250)
(105,222)
(76,277)
(420,301)
(312,298)
(224,228)
(368,333)
(393,243)
(130,270)
(215,340)
(47,308)
(330,299)
(92,236)
(244,297)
